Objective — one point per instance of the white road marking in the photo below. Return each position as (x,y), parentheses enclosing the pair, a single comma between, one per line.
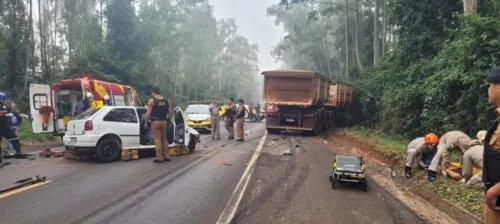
(232,205)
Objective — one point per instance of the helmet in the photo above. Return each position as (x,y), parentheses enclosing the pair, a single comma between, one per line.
(106,97)
(89,95)
(481,135)
(3,96)
(431,138)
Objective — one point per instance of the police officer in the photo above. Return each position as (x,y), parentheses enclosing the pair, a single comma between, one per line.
(418,148)
(214,113)
(448,142)
(230,112)
(159,109)
(5,129)
(240,120)
(491,155)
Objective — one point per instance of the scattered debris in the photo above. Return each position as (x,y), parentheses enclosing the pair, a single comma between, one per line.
(325,142)
(227,164)
(206,146)
(296,146)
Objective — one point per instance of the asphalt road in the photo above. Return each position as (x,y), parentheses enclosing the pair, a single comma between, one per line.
(191,189)
(295,189)
(196,188)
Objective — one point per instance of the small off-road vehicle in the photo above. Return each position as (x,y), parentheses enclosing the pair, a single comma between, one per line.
(349,169)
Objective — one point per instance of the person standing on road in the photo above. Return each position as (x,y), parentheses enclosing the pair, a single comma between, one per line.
(159,110)
(257,111)
(15,122)
(417,149)
(5,128)
(251,112)
(491,155)
(474,158)
(447,143)
(214,113)
(230,112)
(240,120)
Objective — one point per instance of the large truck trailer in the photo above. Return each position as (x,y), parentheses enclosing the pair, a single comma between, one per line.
(304,100)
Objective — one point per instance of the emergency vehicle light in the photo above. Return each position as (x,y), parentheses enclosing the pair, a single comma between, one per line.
(86,76)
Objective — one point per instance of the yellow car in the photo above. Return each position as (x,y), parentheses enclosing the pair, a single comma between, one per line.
(198,117)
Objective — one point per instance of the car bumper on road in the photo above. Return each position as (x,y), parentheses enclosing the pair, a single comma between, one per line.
(76,141)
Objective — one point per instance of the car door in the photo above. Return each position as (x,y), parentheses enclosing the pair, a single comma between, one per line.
(124,123)
(180,127)
(40,106)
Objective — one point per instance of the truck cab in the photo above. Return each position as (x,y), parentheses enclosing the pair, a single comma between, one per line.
(52,106)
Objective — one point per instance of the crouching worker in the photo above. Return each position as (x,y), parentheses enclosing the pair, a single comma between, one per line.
(448,142)
(419,148)
(474,158)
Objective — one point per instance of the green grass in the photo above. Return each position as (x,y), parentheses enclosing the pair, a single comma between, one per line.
(456,193)
(26,134)
(386,142)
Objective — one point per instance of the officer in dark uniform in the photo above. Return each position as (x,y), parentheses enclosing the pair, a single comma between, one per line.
(5,129)
(230,113)
(159,109)
(491,154)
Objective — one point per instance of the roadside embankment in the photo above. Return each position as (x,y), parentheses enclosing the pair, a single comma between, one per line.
(466,204)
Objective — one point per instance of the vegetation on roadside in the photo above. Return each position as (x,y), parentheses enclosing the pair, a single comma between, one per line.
(27,136)
(469,199)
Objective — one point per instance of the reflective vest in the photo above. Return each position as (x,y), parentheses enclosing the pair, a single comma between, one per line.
(491,159)
(160,109)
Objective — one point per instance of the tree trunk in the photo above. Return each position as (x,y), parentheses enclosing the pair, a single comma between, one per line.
(42,42)
(384,27)
(358,59)
(346,41)
(376,41)
(28,49)
(470,7)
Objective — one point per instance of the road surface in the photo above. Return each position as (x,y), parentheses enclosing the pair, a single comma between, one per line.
(196,188)
(295,189)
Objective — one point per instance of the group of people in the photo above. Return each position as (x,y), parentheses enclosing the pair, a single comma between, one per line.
(10,120)
(159,110)
(233,113)
(441,148)
(483,152)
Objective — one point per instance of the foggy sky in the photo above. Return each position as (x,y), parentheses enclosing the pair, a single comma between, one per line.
(253,23)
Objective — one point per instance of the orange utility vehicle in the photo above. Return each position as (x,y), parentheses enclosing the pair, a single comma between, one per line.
(304,100)
(52,106)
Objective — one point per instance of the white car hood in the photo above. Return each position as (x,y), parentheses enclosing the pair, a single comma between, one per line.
(198,117)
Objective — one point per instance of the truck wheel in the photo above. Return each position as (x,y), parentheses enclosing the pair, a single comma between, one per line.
(273,131)
(108,150)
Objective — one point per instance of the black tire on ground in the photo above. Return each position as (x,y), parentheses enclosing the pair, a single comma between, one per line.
(109,150)
(192,143)
(364,187)
(273,131)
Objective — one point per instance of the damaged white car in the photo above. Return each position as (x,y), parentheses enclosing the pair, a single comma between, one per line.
(104,131)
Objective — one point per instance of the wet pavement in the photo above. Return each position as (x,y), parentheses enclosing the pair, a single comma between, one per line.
(190,189)
(295,189)
(196,188)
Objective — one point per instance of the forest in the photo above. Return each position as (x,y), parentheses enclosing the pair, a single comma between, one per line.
(416,66)
(177,45)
